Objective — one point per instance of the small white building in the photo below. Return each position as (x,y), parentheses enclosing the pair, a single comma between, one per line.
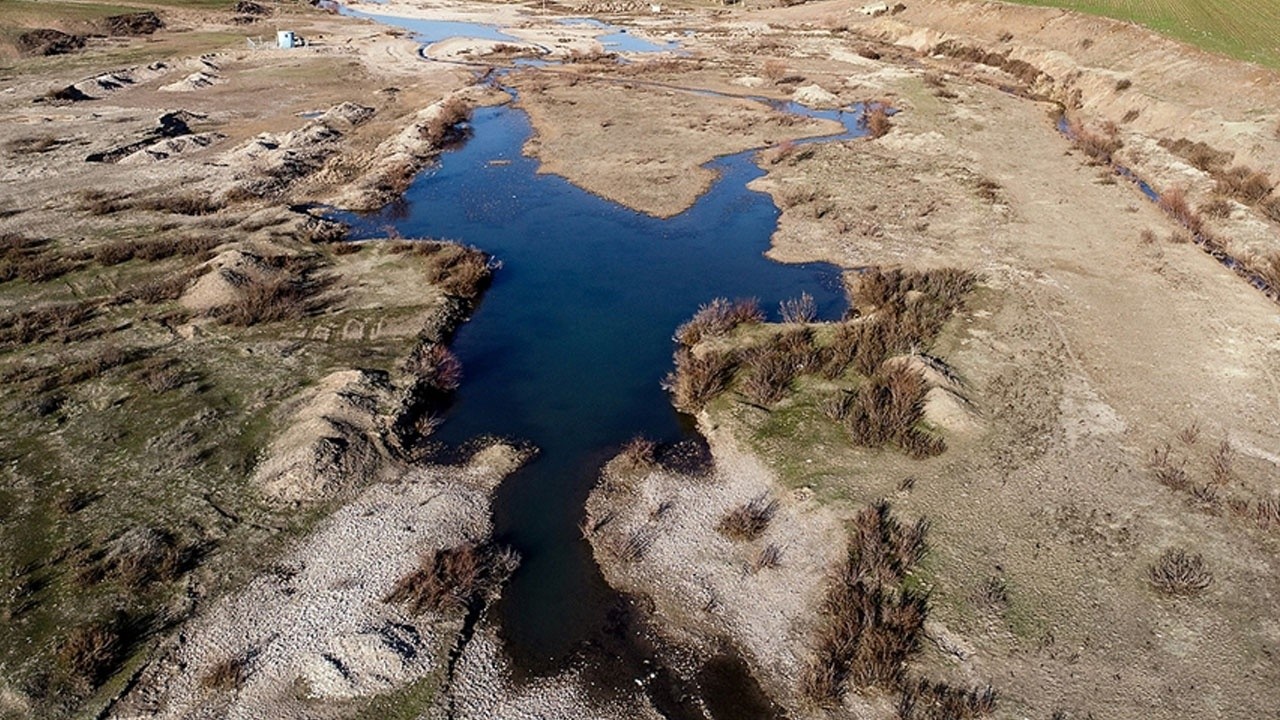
(286,39)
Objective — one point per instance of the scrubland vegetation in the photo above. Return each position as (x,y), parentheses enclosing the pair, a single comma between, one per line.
(879,397)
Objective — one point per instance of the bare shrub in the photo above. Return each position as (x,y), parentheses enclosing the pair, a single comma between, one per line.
(1147,236)
(875,120)
(443,126)
(774,69)
(872,622)
(717,318)
(161,375)
(698,378)
(767,374)
(1266,267)
(1245,184)
(458,270)
(1123,84)
(347,248)
(887,409)
(1179,573)
(1267,513)
(638,455)
(635,545)
(836,406)
(1190,434)
(1166,471)
(435,365)
(749,520)
(92,652)
(113,253)
(44,322)
(453,578)
(769,556)
(43,268)
(226,675)
(1221,463)
(1174,202)
(1100,146)
(161,289)
(265,301)
(799,310)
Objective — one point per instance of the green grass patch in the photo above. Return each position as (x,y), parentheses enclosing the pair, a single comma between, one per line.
(1242,29)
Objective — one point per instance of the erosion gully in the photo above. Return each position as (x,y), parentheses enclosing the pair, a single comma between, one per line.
(567,352)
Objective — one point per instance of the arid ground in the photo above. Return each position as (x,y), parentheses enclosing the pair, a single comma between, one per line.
(1034,472)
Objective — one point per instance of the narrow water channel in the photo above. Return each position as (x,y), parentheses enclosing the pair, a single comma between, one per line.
(570,344)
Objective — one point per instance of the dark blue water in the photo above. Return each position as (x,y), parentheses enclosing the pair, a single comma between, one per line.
(569,347)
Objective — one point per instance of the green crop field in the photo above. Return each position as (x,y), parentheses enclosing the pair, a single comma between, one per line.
(1243,29)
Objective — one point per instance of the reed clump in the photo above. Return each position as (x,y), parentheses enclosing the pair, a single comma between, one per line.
(453,578)
(872,620)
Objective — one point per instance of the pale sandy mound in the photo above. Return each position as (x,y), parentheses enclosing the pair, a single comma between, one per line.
(225,276)
(460,48)
(333,443)
(702,583)
(315,628)
(815,96)
(170,147)
(195,81)
(347,112)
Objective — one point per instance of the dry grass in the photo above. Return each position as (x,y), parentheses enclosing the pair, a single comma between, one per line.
(1199,154)
(1217,207)
(932,700)
(1245,184)
(453,578)
(1180,573)
(460,271)
(749,520)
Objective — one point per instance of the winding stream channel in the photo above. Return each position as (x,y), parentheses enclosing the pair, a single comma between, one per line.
(567,351)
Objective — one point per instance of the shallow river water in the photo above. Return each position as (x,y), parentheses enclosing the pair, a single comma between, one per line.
(568,349)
